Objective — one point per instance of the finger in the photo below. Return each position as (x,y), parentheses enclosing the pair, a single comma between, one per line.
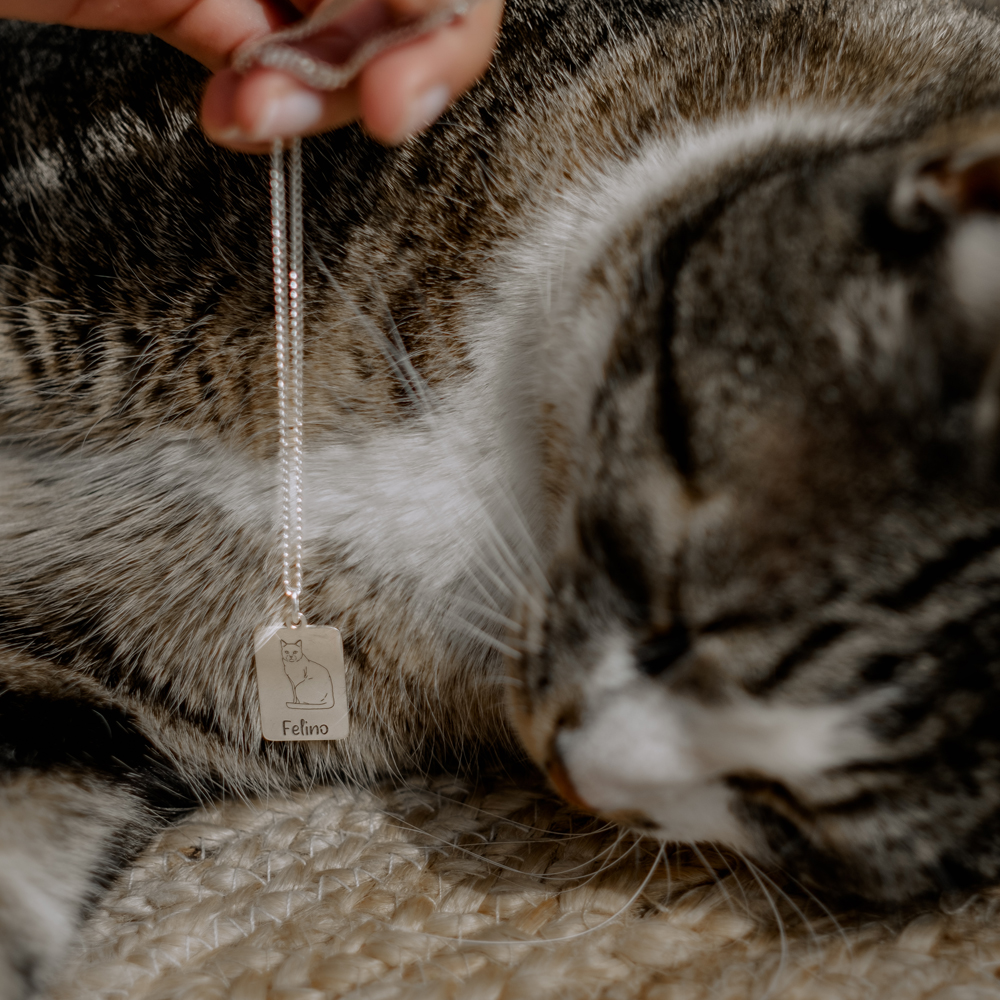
(407,88)
(211,30)
(246,113)
(148,16)
(414,8)
(208,30)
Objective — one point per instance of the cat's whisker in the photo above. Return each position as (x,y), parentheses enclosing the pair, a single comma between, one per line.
(514,515)
(782,933)
(390,350)
(523,826)
(700,855)
(841,932)
(578,881)
(475,632)
(738,881)
(494,616)
(611,863)
(482,590)
(506,569)
(479,564)
(402,356)
(548,942)
(399,357)
(795,907)
(510,561)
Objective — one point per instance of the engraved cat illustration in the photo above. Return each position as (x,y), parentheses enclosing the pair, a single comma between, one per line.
(652,416)
(312,686)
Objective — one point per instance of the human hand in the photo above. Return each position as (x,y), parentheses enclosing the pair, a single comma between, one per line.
(400,92)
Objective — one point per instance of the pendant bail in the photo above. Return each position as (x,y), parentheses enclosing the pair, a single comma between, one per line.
(294,622)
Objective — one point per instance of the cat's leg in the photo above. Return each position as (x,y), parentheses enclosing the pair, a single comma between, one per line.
(82,790)
(63,835)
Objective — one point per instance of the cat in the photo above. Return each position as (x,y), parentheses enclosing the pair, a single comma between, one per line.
(312,686)
(654,392)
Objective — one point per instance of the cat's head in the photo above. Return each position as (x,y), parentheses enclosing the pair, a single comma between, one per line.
(773,609)
(291,652)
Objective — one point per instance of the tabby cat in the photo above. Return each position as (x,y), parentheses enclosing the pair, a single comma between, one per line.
(665,369)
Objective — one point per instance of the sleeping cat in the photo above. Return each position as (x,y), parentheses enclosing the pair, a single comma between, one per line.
(664,368)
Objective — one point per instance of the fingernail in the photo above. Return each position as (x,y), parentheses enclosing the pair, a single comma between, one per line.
(289,115)
(425,109)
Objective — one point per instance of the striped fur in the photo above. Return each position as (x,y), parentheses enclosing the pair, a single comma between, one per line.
(659,366)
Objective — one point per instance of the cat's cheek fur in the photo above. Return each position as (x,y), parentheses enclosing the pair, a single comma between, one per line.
(637,766)
(641,750)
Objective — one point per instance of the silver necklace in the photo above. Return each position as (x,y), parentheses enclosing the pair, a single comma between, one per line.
(286,255)
(301,680)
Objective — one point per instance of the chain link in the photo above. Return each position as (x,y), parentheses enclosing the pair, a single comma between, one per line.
(286,246)
(287,260)
(286,250)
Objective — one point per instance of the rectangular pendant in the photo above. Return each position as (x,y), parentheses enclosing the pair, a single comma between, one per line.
(301,683)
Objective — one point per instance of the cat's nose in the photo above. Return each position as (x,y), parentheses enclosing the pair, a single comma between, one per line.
(563,784)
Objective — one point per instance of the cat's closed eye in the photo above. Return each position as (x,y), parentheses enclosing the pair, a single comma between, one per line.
(789,635)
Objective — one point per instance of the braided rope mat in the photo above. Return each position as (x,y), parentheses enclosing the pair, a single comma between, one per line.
(433,891)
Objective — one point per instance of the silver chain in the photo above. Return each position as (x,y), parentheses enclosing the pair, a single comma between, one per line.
(286,255)
(286,250)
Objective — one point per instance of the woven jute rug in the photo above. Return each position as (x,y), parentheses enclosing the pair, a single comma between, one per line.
(436,890)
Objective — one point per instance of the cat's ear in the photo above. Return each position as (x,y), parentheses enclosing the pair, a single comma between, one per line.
(951,192)
(951,184)
(959,189)
(298,642)
(955,189)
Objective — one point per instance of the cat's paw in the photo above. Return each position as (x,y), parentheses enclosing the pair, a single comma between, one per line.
(58,833)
